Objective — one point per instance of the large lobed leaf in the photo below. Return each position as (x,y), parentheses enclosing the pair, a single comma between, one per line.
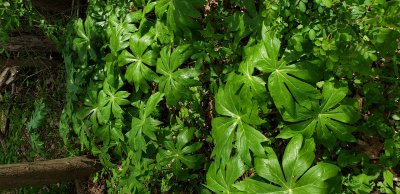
(180,15)
(144,125)
(329,119)
(175,83)
(251,83)
(288,83)
(180,152)
(138,61)
(239,116)
(296,177)
(221,176)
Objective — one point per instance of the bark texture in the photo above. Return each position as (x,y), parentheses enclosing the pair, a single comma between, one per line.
(46,172)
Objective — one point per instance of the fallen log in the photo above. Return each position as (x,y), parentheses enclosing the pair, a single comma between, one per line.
(31,43)
(39,62)
(46,172)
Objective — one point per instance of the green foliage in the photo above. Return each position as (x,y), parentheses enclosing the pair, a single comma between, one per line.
(362,183)
(175,83)
(145,124)
(34,123)
(10,14)
(83,40)
(137,71)
(327,119)
(386,186)
(37,116)
(240,115)
(180,16)
(285,83)
(168,93)
(297,176)
(179,153)
(111,101)
(221,177)
(296,163)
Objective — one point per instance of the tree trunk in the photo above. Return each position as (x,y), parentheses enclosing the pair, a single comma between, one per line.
(46,172)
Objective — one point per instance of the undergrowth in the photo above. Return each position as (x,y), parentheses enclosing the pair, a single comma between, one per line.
(236,96)
(168,93)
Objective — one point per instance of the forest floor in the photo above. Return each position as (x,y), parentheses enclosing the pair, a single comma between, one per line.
(32,89)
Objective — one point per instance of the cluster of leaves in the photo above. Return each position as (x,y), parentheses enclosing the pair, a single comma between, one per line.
(10,14)
(170,92)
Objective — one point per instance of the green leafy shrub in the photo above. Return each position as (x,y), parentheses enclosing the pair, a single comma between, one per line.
(170,93)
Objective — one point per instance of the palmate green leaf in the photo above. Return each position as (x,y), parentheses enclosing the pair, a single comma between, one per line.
(180,15)
(175,154)
(136,171)
(162,33)
(251,84)
(328,119)
(145,125)
(175,83)
(111,100)
(83,34)
(222,175)
(91,108)
(287,84)
(242,25)
(296,177)
(112,130)
(120,31)
(99,105)
(137,71)
(80,129)
(239,115)
(81,43)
